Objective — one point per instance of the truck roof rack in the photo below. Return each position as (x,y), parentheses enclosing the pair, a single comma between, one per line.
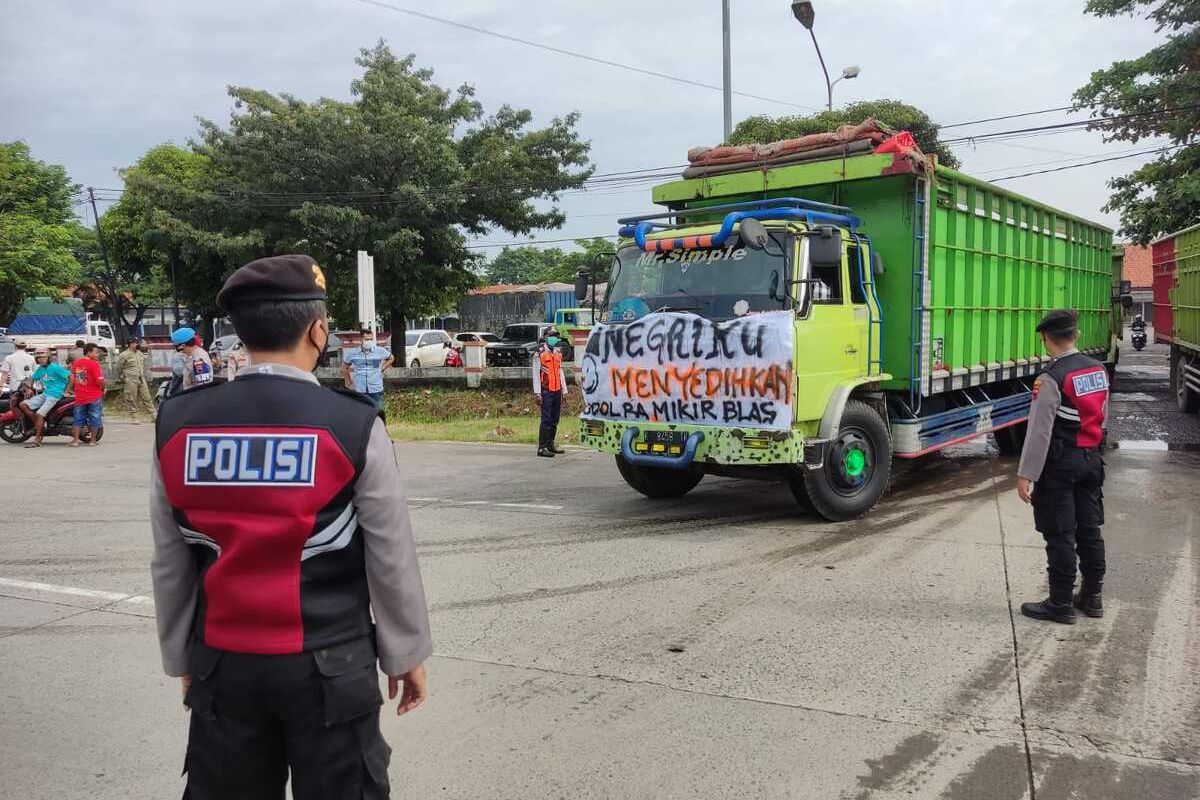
(810,211)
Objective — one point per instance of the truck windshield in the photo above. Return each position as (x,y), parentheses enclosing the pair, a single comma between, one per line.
(716,284)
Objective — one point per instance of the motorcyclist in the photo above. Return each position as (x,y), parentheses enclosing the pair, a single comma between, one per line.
(1139,323)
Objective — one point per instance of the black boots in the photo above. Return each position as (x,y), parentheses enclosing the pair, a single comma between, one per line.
(545,452)
(1049,610)
(1090,604)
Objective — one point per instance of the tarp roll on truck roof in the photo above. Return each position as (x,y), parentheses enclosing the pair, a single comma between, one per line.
(44,316)
(911,292)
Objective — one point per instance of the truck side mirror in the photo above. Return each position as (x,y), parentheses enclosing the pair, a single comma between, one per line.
(1126,301)
(582,284)
(825,247)
(877,264)
(753,234)
(1126,287)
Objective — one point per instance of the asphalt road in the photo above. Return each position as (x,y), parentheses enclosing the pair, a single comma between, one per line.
(594,644)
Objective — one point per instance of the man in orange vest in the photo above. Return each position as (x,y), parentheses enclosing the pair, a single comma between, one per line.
(549,386)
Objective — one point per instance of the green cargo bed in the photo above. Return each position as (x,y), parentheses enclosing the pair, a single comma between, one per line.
(1185,297)
(970,267)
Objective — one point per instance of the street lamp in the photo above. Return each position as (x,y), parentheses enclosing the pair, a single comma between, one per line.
(803,9)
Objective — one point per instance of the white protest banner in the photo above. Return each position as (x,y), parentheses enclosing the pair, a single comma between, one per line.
(685,369)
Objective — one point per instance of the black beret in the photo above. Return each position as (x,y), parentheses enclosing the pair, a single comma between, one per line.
(275,278)
(1059,322)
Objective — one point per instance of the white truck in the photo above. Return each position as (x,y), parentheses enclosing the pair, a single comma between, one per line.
(95,332)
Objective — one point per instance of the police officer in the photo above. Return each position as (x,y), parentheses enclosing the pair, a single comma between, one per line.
(280,532)
(549,386)
(1061,471)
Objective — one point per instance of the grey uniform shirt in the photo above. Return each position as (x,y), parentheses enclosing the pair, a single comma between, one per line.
(1042,411)
(393,576)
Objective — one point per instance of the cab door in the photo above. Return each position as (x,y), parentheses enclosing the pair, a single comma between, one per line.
(830,334)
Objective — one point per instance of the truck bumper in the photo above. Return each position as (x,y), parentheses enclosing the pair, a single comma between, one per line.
(716,445)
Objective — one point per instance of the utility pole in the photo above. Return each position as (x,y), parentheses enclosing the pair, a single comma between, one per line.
(727,70)
(111,288)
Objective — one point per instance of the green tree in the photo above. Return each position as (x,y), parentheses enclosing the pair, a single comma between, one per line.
(519,265)
(901,116)
(1155,95)
(38,233)
(135,233)
(405,170)
(528,264)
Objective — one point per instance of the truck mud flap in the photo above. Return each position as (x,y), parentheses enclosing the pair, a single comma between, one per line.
(913,437)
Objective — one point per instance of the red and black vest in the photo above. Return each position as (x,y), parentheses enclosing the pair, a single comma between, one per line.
(260,473)
(1083,384)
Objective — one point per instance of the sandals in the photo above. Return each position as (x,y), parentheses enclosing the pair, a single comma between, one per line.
(31,445)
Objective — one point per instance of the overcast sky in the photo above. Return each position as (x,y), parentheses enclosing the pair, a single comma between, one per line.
(93,85)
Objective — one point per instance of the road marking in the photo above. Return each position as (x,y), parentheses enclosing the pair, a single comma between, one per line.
(535,506)
(95,594)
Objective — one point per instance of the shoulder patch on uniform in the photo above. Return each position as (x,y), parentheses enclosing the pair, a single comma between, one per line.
(1090,382)
(250,459)
(1037,385)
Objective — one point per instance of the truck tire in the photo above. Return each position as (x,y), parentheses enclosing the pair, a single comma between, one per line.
(658,482)
(800,491)
(858,466)
(1010,440)
(1187,398)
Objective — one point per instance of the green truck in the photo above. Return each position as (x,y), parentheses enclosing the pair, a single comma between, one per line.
(811,322)
(1176,258)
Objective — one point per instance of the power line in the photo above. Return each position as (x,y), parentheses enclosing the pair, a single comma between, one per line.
(1073,157)
(1096,121)
(1012,116)
(1159,150)
(526,242)
(572,53)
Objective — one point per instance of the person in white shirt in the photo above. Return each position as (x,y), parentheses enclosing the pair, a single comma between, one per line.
(17,366)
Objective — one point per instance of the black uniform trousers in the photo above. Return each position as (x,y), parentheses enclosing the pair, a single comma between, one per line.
(551,411)
(1068,510)
(257,717)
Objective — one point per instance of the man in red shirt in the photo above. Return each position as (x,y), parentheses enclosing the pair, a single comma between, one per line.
(87,378)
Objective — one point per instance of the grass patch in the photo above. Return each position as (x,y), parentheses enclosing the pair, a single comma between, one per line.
(467,415)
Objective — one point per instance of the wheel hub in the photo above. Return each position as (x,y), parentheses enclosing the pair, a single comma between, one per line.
(852,462)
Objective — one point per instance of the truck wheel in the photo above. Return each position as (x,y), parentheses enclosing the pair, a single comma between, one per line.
(1187,398)
(800,490)
(1010,440)
(658,482)
(15,431)
(857,466)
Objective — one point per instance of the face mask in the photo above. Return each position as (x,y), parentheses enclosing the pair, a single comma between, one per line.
(322,349)
(552,341)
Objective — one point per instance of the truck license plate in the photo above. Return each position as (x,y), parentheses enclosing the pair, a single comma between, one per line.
(665,442)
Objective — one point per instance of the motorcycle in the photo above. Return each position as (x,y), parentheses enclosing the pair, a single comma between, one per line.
(15,428)
(1138,338)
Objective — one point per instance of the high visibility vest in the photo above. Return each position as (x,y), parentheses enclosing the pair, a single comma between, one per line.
(550,365)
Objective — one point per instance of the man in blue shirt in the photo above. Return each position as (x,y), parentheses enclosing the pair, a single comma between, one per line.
(362,367)
(53,378)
